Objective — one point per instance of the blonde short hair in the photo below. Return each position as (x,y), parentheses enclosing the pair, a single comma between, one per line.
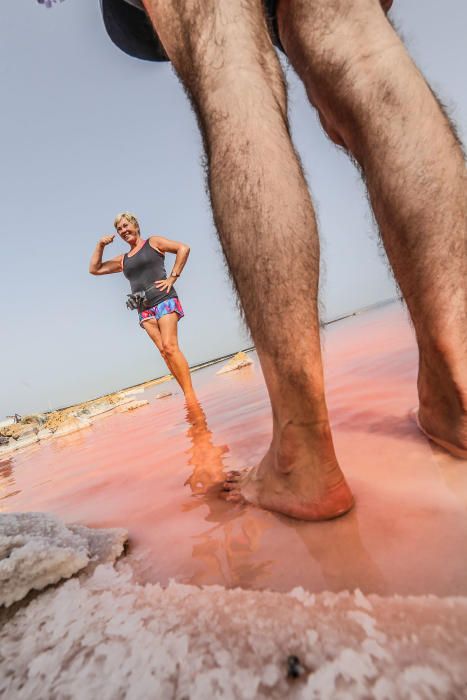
(131,218)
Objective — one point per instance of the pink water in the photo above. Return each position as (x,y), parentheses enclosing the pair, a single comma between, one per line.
(406,535)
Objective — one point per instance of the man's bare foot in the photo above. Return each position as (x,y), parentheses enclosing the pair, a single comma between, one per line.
(450,447)
(298,477)
(442,414)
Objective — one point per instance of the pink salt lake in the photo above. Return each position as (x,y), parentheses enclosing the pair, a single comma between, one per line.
(145,470)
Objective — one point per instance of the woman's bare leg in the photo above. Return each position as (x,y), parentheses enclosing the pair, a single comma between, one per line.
(151,326)
(168,327)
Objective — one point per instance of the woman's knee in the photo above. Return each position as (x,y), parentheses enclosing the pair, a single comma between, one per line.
(169,348)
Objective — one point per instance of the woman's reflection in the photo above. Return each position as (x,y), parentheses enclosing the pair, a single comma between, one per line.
(205,458)
(226,548)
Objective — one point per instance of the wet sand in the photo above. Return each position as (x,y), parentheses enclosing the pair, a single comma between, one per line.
(146,471)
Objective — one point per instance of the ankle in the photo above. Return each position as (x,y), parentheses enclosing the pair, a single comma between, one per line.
(442,390)
(443,379)
(310,441)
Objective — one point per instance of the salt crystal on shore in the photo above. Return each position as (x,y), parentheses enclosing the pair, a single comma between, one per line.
(238,361)
(36,550)
(109,637)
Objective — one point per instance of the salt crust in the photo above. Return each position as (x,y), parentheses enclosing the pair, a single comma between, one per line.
(107,637)
(36,549)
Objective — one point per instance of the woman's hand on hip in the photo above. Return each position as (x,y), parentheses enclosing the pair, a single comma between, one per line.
(165,285)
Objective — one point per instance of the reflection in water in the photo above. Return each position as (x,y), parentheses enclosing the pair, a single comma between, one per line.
(226,549)
(204,457)
(454,478)
(233,550)
(76,440)
(337,547)
(406,534)
(7,481)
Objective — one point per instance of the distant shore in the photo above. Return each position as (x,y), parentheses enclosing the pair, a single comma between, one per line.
(28,430)
(32,428)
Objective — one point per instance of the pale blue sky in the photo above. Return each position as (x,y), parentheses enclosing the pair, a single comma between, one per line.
(88,132)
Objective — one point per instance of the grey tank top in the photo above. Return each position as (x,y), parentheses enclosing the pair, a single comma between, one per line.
(142,270)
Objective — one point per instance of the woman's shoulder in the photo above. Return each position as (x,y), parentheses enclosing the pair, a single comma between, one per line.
(154,242)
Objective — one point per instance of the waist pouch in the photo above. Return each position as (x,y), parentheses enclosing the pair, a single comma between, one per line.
(135,301)
(147,298)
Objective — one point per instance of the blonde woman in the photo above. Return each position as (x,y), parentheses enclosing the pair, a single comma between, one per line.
(152,291)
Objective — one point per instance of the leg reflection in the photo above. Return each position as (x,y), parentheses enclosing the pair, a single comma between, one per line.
(205,457)
(226,549)
(337,547)
(7,480)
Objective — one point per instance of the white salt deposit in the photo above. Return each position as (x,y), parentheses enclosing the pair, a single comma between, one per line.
(72,426)
(131,405)
(361,601)
(36,549)
(105,636)
(134,390)
(238,361)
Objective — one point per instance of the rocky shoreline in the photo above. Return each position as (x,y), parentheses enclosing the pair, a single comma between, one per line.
(46,426)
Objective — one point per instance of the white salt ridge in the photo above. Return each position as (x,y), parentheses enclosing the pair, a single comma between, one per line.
(134,390)
(105,636)
(36,549)
(368,625)
(131,405)
(360,600)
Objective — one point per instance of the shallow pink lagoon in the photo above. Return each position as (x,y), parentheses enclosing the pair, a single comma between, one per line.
(145,471)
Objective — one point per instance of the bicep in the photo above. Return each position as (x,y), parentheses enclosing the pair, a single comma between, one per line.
(109,267)
(165,245)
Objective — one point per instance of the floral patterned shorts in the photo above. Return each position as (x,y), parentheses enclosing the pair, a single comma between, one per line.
(164,307)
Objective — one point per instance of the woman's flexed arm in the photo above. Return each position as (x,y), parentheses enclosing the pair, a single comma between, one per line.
(97,267)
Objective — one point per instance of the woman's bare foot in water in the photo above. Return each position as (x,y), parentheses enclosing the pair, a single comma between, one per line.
(299,476)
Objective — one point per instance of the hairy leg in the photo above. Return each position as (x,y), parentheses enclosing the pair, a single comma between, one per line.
(262,209)
(168,327)
(373,100)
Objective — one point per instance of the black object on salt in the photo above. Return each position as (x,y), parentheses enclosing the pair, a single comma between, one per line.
(294,667)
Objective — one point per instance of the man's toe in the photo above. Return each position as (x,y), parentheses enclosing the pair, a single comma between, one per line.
(234,497)
(232,475)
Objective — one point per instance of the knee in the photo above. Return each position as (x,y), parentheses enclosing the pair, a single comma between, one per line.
(335,46)
(210,42)
(169,349)
(339,53)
